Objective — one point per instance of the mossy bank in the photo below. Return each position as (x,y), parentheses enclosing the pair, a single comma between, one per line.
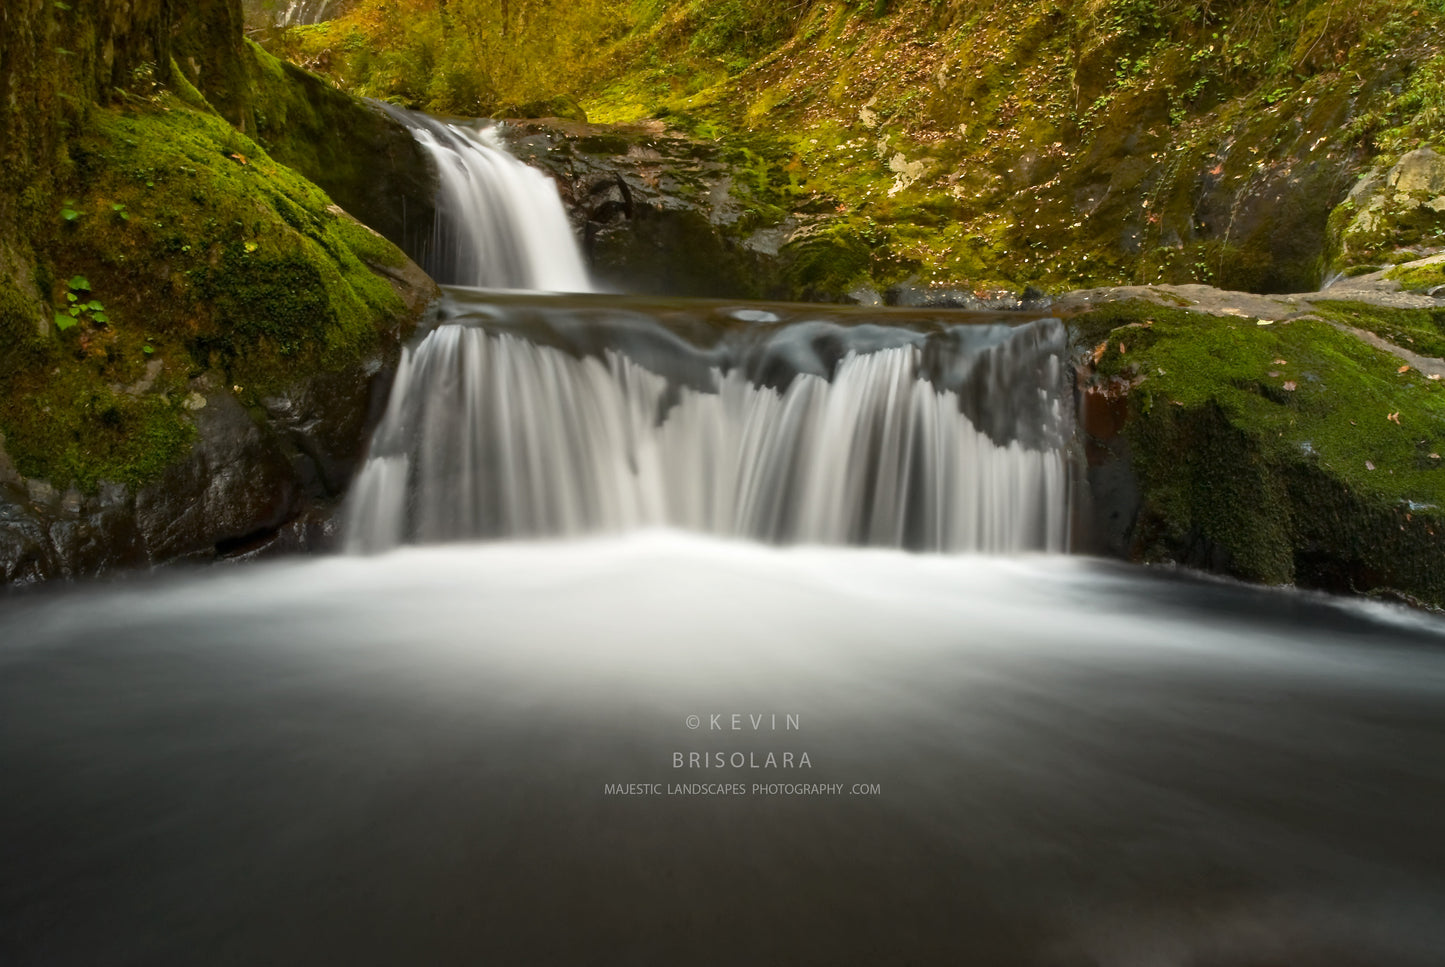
(969,145)
(190,335)
(1279,448)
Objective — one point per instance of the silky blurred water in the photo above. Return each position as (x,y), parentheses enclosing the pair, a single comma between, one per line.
(522,416)
(403,759)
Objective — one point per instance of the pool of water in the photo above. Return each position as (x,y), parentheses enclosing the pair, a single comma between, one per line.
(425,757)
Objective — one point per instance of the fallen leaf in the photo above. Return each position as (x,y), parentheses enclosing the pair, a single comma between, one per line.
(1123,349)
(1403,369)
(1394,417)
(241,158)
(1281,362)
(1434,376)
(1099,350)
(1273,372)
(1289,384)
(1369,465)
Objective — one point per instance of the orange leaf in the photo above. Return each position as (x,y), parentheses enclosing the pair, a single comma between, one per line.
(1403,369)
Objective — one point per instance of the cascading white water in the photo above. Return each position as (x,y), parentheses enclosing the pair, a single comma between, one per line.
(499,224)
(888,438)
(298,13)
(492,435)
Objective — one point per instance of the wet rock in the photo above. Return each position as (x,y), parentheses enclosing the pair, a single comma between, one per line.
(658,212)
(1217,465)
(1391,215)
(915,295)
(258,481)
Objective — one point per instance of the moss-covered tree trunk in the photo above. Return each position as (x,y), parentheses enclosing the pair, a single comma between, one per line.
(55,61)
(210,51)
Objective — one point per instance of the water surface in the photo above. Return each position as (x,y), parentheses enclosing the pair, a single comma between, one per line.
(404,759)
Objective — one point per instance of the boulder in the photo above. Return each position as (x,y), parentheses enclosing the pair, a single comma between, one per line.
(1392,215)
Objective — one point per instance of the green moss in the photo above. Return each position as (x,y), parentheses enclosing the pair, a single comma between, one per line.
(72,428)
(1419,277)
(1419,330)
(19,316)
(1235,423)
(832,260)
(206,255)
(367,163)
(266,267)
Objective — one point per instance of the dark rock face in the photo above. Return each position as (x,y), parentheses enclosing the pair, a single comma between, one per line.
(656,210)
(362,157)
(255,482)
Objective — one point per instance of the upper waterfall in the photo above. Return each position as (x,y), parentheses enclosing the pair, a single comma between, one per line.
(533,419)
(499,224)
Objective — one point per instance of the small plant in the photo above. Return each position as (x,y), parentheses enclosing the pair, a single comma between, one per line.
(120,211)
(69,212)
(82,307)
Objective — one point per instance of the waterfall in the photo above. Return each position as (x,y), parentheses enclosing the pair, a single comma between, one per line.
(523,416)
(806,432)
(298,13)
(499,223)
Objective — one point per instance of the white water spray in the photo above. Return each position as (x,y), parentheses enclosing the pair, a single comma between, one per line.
(490,435)
(499,223)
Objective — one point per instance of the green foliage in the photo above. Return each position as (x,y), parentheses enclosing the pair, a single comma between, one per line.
(80,309)
(229,262)
(468,57)
(1064,144)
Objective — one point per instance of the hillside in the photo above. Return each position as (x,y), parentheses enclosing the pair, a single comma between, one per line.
(1059,144)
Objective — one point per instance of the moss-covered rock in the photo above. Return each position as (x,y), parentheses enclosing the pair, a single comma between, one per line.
(1393,214)
(362,157)
(660,212)
(191,332)
(990,145)
(1285,451)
